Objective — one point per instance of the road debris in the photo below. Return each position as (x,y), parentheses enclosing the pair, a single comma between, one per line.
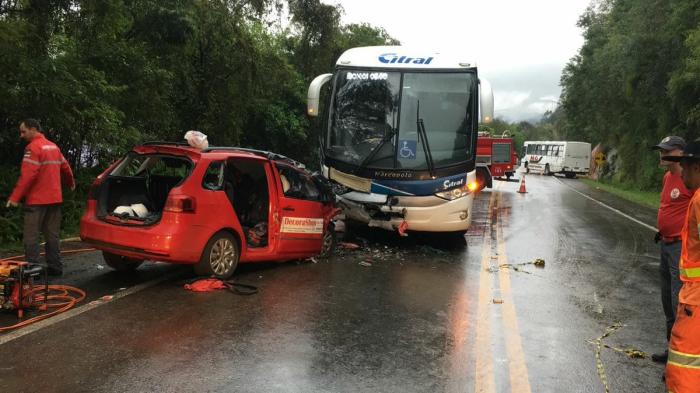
(516,267)
(365,263)
(629,352)
(497,301)
(99,267)
(349,246)
(425,249)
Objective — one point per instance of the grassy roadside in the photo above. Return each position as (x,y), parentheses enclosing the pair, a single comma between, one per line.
(645,198)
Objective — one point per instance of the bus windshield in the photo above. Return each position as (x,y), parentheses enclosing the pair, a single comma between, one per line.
(376,115)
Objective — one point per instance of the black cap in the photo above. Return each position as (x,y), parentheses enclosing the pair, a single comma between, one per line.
(691,152)
(670,143)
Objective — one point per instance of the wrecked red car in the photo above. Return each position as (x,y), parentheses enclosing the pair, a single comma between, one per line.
(211,208)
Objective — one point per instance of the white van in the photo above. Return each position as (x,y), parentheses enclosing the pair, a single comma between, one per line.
(550,157)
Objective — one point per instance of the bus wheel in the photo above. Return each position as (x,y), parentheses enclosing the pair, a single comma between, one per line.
(547,172)
(570,175)
(482,178)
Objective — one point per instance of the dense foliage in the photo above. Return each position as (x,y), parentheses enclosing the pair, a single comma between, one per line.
(103,75)
(635,80)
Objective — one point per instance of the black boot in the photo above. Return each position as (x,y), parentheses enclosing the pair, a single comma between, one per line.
(661,357)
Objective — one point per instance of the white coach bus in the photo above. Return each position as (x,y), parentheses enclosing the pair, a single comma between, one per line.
(399,129)
(550,157)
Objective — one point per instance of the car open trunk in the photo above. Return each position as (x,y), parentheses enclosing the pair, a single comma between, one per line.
(136,191)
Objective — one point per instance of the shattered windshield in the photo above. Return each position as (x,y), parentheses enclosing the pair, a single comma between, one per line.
(365,112)
(376,114)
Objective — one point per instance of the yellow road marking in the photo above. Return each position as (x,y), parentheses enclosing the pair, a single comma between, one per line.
(484,377)
(519,381)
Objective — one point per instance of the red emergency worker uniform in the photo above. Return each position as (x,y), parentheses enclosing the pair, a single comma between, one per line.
(40,178)
(673,208)
(683,366)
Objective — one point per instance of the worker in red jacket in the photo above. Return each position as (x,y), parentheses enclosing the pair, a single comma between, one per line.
(44,170)
(675,198)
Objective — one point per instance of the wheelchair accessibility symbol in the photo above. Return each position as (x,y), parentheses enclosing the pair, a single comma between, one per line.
(407,149)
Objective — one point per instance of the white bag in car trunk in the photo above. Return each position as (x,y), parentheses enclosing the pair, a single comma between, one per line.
(124,209)
(140,210)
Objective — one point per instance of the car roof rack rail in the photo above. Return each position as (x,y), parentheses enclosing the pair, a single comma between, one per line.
(268,154)
(151,143)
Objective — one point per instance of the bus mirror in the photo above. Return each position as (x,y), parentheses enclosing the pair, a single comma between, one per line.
(485,101)
(312,99)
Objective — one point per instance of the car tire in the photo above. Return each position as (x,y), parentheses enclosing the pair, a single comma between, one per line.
(121,263)
(220,257)
(328,242)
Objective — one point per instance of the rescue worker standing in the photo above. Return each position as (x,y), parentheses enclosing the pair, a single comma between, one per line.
(683,366)
(671,217)
(39,185)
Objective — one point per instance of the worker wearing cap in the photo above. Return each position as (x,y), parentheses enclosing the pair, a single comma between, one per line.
(683,365)
(39,185)
(675,198)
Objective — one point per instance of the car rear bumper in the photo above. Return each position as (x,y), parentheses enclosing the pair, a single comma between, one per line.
(164,241)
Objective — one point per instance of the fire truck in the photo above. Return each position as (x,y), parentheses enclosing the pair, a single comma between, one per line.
(495,157)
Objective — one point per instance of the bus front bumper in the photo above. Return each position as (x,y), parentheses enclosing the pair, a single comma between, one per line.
(420,213)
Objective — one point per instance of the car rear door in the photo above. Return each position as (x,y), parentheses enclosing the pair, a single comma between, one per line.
(300,212)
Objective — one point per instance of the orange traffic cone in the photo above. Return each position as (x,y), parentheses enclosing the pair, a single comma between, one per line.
(522,186)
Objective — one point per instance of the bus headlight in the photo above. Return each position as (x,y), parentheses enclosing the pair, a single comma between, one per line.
(460,192)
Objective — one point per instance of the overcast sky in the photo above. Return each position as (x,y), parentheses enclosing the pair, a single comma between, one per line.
(520,46)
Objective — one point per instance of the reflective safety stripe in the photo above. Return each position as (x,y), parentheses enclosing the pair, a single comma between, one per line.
(691,272)
(30,161)
(684,360)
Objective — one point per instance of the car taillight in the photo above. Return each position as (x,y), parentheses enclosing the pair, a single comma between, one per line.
(179,204)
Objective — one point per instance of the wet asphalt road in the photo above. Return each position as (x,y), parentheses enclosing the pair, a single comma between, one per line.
(415,314)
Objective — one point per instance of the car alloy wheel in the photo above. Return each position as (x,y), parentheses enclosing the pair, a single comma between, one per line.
(222,256)
(219,257)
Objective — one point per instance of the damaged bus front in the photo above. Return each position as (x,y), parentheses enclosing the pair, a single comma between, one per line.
(399,136)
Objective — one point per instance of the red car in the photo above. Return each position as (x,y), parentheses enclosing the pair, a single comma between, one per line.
(211,208)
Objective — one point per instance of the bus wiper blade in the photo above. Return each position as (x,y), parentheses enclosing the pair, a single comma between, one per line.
(423,136)
(389,136)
